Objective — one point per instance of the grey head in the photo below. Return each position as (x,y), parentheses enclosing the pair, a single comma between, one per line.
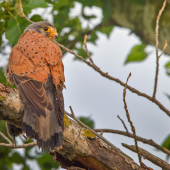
(43,27)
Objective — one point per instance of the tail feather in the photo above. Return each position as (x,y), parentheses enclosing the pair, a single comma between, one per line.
(48,131)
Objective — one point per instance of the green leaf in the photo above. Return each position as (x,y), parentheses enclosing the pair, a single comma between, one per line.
(82,53)
(93,37)
(136,2)
(107,10)
(2,77)
(46,162)
(75,22)
(88,121)
(87,17)
(17,158)
(62,17)
(36,18)
(36,4)
(106,29)
(26,167)
(90,3)
(137,54)
(167,95)
(28,148)
(65,3)
(15,28)
(167,67)
(166,143)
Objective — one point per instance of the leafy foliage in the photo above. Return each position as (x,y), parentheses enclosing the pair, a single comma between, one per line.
(137,54)
(2,77)
(5,163)
(13,25)
(46,162)
(166,144)
(9,156)
(87,121)
(167,67)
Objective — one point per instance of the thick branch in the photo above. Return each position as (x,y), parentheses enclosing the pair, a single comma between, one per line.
(11,106)
(85,126)
(79,145)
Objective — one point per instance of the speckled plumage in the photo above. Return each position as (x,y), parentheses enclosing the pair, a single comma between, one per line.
(35,66)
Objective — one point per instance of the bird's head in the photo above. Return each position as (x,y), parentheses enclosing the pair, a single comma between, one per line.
(45,28)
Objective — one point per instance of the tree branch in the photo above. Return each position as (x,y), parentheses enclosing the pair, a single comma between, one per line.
(132,126)
(18,146)
(146,141)
(155,160)
(1,134)
(85,126)
(22,12)
(157,42)
(123,124)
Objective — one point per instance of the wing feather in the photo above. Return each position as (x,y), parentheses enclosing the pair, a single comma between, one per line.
(34,94)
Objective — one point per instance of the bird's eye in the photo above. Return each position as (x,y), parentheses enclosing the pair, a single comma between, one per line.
(45,29)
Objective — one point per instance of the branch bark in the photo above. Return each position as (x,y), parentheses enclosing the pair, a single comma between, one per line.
(157,161)
(80,148)
(130,135)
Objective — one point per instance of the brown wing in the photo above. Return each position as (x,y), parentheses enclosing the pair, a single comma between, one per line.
(33,93)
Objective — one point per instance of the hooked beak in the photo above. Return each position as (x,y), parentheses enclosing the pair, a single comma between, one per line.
(53,34)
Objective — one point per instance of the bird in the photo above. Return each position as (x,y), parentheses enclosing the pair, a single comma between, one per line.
(36,68)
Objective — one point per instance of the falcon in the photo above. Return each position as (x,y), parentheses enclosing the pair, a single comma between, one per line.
(36,68)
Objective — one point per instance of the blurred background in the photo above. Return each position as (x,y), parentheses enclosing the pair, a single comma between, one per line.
(121,39)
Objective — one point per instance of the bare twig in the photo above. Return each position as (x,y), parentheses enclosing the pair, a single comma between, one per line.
(22,12)
(131,124)
(133,90)
(157,42)
(123,124)
(146,141)
(157,161)
(101,133)
(18,146)
(165,45)
(85,39)
(72,115)
(5,138)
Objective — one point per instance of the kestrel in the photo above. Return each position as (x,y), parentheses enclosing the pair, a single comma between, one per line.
(36,68)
